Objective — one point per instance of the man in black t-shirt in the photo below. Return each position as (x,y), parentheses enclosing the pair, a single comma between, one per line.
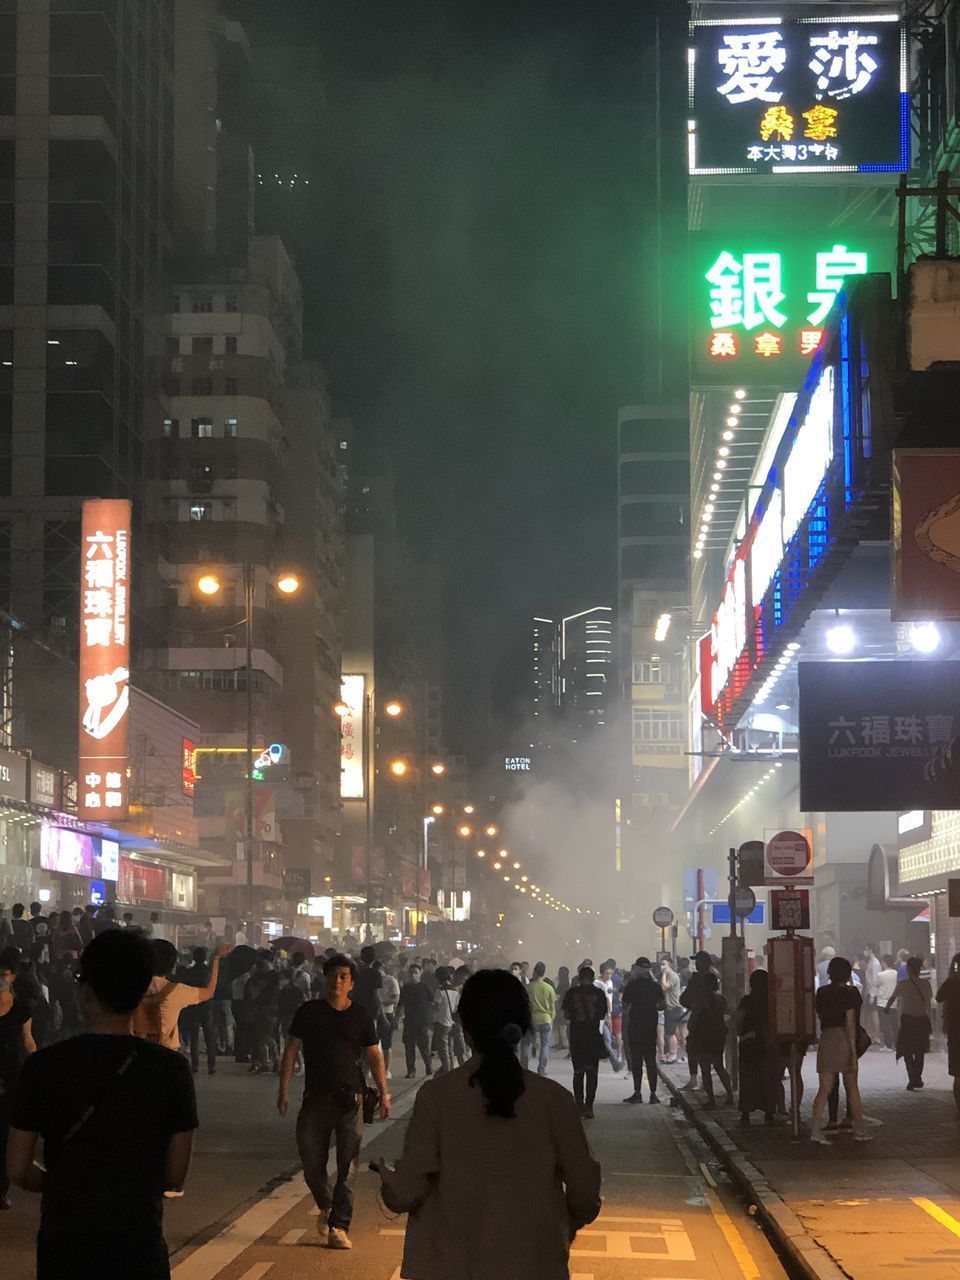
(335,1037)
(366,988)
(116,1115)
(644,997)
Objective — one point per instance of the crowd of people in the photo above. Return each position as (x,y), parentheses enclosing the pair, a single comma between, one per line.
(103,1020)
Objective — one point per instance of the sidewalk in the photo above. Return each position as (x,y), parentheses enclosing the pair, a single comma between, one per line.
(865,1210)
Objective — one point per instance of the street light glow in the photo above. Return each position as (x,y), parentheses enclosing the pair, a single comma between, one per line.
(469,808)
(393,709)
(341,709)
(490,830)
(924,637)
(438,769)
(288,583)
(399,768)
(841,639)
(208,584)
(438,809)
(466,831)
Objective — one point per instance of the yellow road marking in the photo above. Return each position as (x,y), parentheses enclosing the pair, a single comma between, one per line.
(938,1214)
(735,1242)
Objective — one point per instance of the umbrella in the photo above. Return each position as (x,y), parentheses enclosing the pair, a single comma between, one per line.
(238,962)
(290,945)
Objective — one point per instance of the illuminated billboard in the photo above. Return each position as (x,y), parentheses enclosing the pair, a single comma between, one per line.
(352,697)
(798,95)
(759,303)
(104,659)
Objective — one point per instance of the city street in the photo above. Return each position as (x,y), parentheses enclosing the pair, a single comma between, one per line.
(662,1219)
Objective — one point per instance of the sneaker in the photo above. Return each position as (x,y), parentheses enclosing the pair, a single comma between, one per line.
(5,1202)
(323,1231)
(831,1127)
(338,1239)
(411,1075)
(670,1059)
(863,1137)
(635,1097)
(588,1113)
(389,1075)
(820,1140)
(653,1098)
(911,1087)
(689,1086)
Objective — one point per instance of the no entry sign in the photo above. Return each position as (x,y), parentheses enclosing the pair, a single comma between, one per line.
(788,857)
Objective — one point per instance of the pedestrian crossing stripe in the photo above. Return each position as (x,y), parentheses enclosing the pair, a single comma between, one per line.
(620,1234)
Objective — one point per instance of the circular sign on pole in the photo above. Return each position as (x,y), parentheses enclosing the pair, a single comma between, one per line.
(789,853)
(663,917)
(745,901)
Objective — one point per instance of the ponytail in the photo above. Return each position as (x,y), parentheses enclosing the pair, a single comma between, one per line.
(495,1013)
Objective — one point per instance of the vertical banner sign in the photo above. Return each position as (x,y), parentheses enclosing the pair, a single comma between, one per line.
(104,659)
(189,769)
(352,781)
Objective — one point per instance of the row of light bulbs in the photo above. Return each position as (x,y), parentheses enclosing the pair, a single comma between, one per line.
(748,796)
(720,465)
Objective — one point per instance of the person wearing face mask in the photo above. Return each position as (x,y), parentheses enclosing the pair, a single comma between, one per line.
(16,1042)
(416,1009)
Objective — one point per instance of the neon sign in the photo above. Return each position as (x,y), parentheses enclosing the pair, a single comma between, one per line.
(793,95)
(759,305)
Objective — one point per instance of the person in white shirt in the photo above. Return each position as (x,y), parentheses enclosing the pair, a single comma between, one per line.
(889,1018)
(871,994)
(387,1022)
(157,1016)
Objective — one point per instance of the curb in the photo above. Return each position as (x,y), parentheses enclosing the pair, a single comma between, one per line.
(810,1258)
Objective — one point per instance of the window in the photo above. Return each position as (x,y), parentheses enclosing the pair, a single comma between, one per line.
(202,387)
(230,344)
(653,671)
(202,428)
(202,345)
(202,302)
(231,302)
(201,510)
(230,386)
(656,726)
(231,428)
(171,428)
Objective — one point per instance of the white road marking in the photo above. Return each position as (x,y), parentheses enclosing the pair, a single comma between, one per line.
(391,1231)
(211,1258)
(294,1236)
(620,1239)
(257,1271)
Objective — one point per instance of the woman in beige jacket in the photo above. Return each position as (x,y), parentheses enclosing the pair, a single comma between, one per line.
(496,1173)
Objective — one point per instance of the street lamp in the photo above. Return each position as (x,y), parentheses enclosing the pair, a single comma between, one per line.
(209,584)
(438,769)
(399,768)
(438,810)
(393,709)
(466,831)
(469,808)
(491,830)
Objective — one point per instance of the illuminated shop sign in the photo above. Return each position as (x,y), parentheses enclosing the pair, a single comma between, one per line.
(739,639)
(759,304)
(352,781)
(798,95)
(104,659)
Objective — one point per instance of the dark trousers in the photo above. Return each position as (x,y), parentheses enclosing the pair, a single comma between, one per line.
(833,1101)
(643,1053)
(889,1026)
(415,1038)
(914,1064)
(584,1042)
(319,1121)
(709,1062)
(4,1130)
(201,1018)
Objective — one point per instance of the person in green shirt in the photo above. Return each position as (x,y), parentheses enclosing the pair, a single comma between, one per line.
(543,1007)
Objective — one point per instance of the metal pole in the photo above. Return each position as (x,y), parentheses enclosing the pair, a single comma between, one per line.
(732,865)
(943,182)
(701,894)
(368,756)
(248,603)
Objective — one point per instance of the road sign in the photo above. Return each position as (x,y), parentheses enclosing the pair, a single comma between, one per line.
(788,857)
(953,898)
(750,863)
(663,917)
(745,901)
(790,909)
(721,913)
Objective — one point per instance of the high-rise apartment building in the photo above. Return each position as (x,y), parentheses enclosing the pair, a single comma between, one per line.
(85,157)
(587,666)
(545,683)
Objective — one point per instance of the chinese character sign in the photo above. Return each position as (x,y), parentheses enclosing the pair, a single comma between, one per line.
(352,781)
(798,95)
(104,659)
(759,306)
(874,736)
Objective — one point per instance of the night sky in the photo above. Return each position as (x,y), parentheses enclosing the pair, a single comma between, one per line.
(473,277)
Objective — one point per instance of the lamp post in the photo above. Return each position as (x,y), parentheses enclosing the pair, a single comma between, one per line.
(288,584)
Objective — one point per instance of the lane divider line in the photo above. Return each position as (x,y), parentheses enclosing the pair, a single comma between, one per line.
(294,1236)
(257,1271)
(939,1215)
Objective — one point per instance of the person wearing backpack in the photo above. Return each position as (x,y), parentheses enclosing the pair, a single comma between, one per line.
(157,1016)
(116,1116)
